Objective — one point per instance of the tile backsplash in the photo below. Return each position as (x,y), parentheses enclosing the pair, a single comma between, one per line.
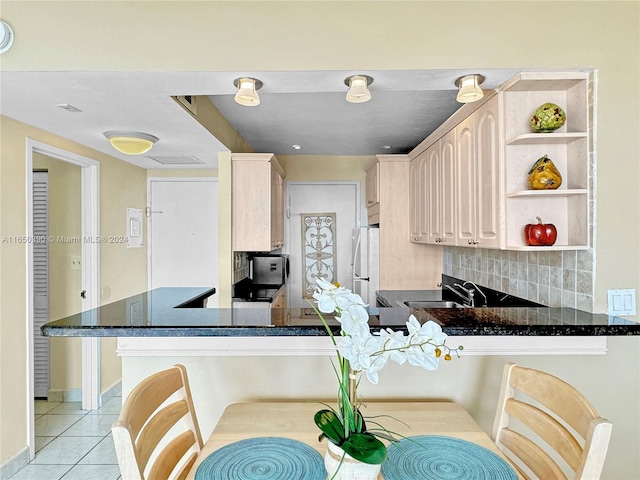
(556,278)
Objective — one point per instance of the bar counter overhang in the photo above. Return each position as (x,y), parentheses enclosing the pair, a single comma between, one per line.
(172,312)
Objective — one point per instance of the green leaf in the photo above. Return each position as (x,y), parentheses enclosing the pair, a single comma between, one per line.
(330,425)
(366,448)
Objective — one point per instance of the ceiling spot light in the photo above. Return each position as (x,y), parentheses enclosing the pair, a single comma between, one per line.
(296,147)
(386,147)
(6,36)
(247,93)
(358,91)
(130,143)
(469,88)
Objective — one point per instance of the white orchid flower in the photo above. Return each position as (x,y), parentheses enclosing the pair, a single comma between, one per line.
(331,298)
(393,344)
(360,350)
(354,325)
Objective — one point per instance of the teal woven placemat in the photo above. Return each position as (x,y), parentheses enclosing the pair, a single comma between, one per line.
(263,458)
(432,457)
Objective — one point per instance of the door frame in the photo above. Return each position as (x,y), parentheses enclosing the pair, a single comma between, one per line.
(287,223)
(90,200)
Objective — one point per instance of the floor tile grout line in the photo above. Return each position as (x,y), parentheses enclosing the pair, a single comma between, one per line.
(54,437)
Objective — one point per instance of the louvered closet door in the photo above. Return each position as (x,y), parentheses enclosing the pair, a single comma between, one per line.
(40,281)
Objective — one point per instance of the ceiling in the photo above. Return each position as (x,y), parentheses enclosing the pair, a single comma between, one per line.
(297,108)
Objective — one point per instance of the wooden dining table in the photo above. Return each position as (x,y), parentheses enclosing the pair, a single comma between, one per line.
(294,420)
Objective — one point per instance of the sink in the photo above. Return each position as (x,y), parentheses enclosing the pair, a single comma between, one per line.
(433,304)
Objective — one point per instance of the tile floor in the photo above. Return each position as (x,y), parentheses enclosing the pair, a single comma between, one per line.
(73,444)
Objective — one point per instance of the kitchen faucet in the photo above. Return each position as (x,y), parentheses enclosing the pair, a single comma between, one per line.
(467,296)
(477,289)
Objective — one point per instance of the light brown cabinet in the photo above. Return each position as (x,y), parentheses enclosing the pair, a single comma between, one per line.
(440,195)
(257,203)
(494,151)
(478,164)
(278,308)
(372,185)
(403,264)
(416,206)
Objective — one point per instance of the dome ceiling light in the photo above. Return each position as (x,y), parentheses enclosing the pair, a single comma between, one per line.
(247,93)
(130,143)
(6,36)
(469,88)
(358,91)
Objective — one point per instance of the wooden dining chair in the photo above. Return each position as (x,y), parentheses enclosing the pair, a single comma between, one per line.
(157,436)
(547,428)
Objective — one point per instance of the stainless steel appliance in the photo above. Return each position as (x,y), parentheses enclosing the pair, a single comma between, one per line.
(366,263)
(269,269)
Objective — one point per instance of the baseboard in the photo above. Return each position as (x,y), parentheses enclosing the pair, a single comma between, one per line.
(67,396)
(75,394)
(18,462)
(114,391)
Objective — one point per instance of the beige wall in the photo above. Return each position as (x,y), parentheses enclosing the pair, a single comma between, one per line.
(64,284)
(121,185)
(388,35)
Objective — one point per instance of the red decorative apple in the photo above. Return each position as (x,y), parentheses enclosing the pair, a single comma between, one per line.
(540,234)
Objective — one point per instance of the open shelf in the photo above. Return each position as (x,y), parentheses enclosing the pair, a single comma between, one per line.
(548,193)
(546,138)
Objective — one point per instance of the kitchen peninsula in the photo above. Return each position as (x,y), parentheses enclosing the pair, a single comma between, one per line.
(229,363)
(181,312)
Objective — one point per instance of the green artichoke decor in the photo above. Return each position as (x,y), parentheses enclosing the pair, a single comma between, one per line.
(547,118)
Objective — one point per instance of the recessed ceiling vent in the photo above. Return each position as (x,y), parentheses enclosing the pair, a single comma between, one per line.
(177,160)
(188,102)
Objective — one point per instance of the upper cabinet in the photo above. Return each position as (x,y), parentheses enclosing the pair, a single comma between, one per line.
(403,265)
(258,202)
(478,166)
(469,179)
(567,206)
(372,185)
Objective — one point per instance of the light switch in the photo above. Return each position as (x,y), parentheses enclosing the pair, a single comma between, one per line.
(622,302)
(75,262)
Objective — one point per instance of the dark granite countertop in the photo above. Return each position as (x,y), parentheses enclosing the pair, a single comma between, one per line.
(178,312)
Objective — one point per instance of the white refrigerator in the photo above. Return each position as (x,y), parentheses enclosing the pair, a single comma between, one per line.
(366,263)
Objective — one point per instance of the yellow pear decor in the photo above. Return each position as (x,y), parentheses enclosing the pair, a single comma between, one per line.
(544,175)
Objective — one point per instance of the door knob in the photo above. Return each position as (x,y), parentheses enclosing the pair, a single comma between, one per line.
(83,294)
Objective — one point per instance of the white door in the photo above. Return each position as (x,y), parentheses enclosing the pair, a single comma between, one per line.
(183,233)
(341,199)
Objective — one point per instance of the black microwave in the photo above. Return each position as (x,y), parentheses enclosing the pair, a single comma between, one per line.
(269,269)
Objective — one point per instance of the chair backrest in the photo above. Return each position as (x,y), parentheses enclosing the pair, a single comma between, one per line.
(158,413)
(555,433)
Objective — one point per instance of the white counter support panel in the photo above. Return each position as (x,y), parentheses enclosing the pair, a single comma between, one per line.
(321,346)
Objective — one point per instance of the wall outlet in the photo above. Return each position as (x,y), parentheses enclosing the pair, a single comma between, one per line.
(622,302)
(76,262)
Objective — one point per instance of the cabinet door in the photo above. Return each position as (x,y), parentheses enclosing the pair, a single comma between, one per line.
(487,175)
(277,209)
(433,194)
(372,185)
(251,192)
(278,312)
(465,186)
(415,206)
(423,179)
(448,188)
